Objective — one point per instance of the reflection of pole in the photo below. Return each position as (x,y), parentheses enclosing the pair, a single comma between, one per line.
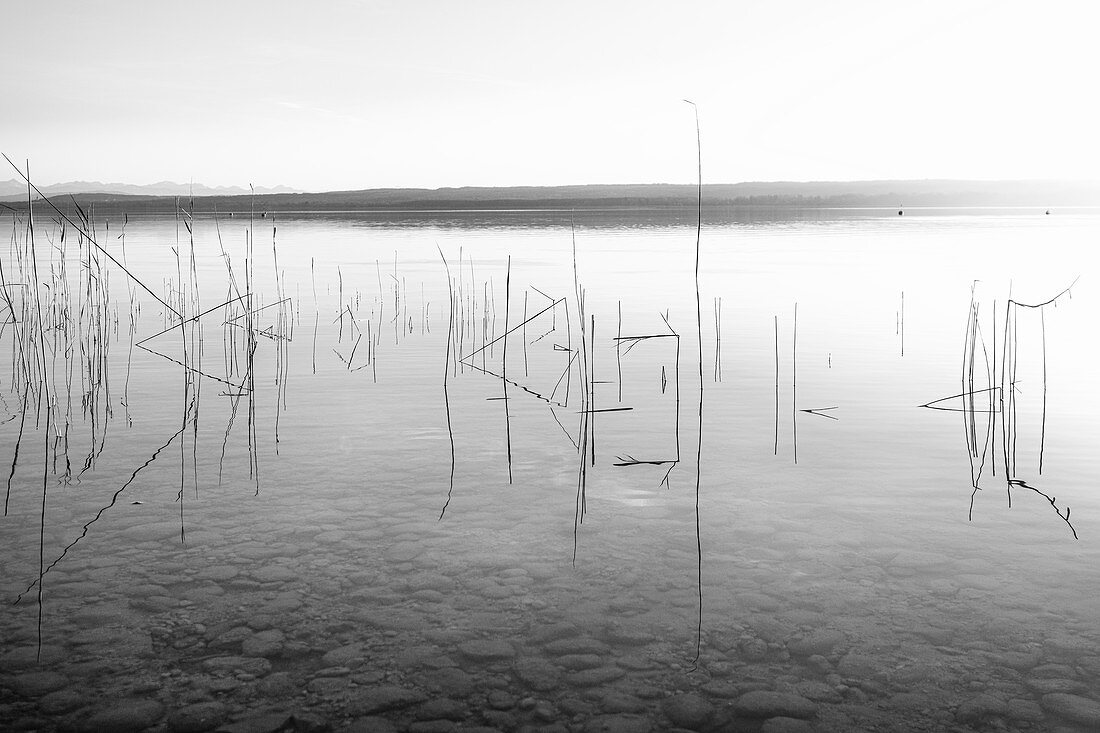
(699,333)
(618,354)
(776,449)
(504,367)
(1043,424)
(592,388)
(992,397)
(794,383)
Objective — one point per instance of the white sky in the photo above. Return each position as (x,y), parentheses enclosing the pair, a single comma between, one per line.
(349,94)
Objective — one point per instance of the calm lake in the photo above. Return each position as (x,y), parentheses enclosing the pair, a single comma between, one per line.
(522,471)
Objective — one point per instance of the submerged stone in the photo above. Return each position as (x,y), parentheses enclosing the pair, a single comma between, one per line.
(618,724)
(196,718)
(537,674)
(123,716)
(1083,710)
(383,698)
(344,656)
(786,725)
(30,656)
(977,710)
(256,666)
(487,649)
(687,711)
(37,684)
(595,676)
(768,704)
(821,642)
(61,701)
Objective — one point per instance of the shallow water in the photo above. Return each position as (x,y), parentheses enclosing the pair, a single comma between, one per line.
(836,567)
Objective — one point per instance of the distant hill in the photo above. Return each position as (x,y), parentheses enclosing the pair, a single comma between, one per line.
(818,194)
(16,188)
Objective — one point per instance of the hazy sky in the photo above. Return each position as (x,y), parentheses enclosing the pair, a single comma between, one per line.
(364,94)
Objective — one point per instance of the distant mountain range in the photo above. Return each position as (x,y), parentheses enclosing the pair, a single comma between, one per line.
(814,194)
(16,188)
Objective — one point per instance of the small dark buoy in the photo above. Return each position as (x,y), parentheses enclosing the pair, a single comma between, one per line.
(1048,212)
(900,212)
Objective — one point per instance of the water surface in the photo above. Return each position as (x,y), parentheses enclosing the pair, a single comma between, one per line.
(400,518)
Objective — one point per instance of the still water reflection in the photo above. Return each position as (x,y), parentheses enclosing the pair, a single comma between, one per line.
(438,472)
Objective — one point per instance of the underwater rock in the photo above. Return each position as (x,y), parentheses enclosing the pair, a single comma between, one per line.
(441,709)
(821,642)
(978,710)
(767,704)
(1068,647)
(553,632)
(486,650)
(255,666)
(687,710)
(618,724)
(329,687)
(1079,709)
(122,716)
(61,701)
(264,722)
(786,725)
(578,645)
(25,657)
(537,673)
(596,676)
(218,573)
(344,656)
(230,639)
(753,650)
(371,724)
(383,698)
(263,644)
(618,702)
(198,717)
(579,661)
(274,574)
(37,684)
(858,666)
(500,700)
(1029,710)
(452,681)
(1044,685)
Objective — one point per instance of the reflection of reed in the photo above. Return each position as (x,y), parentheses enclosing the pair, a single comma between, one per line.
(631,342)
(998,397)
(452,305)
(717,339)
